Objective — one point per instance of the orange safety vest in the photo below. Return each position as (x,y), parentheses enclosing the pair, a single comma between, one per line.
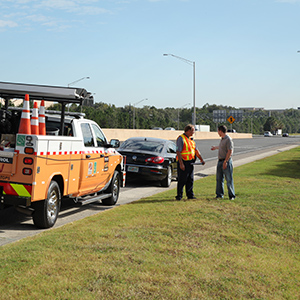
(189,148)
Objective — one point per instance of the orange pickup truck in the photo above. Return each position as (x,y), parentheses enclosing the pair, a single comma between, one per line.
(72,160)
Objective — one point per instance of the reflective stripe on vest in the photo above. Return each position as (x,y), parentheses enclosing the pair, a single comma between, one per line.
(188,150)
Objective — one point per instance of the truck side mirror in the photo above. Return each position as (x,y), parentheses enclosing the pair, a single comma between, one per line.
(115,143)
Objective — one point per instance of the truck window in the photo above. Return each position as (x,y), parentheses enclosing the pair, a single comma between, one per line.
(100,138)
(87,135)
(53,126)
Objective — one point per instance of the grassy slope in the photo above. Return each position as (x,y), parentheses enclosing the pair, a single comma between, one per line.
(159,248)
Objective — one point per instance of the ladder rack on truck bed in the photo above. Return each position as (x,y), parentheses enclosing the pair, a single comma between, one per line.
(62,95)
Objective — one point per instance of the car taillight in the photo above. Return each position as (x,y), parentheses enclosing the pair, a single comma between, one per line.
(28,161)
(155,159)
(29,150)
(27,171)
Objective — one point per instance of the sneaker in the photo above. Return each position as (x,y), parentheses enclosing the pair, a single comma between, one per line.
(178,198)
(232,198)
(192,197)
(219,198)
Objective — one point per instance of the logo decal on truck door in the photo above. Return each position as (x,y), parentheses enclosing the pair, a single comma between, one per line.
(90,168)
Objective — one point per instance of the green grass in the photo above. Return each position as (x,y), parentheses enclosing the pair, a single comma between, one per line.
(159,248)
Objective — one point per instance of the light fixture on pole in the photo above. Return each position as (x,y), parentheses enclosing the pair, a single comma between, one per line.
(192,63)
(78,80)
(133,120)
(178,112)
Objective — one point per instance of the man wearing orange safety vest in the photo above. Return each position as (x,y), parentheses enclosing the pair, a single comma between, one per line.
(186,156)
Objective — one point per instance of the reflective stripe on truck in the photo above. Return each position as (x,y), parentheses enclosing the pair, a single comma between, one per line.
(14,189)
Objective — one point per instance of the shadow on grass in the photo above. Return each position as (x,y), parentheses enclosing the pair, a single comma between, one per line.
(288,169)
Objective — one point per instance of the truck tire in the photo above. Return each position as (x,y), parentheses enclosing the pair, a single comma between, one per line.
(166,182)
(46,211)
(114,189)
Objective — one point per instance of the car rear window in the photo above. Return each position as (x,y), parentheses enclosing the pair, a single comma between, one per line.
(142,145)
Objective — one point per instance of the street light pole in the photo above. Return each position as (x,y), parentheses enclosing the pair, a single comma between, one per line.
(133,120)
(178,112)
(191,63)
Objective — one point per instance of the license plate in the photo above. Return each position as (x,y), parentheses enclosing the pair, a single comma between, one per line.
(132,169)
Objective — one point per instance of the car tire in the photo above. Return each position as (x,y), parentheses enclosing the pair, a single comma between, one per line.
(114,189)
(166,182)
(46,211)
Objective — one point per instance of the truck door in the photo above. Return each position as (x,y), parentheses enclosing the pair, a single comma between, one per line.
(93,159)
(90,161)
(105,172)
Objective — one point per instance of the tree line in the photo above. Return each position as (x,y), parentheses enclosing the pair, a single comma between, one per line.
(147,117)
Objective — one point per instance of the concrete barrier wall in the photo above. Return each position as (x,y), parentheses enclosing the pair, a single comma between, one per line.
(124,134)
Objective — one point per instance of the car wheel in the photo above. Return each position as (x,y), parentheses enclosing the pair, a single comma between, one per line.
(46,211)
(166,182)
(113,189)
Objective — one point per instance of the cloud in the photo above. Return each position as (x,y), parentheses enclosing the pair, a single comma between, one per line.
(89,7)
(54,14)
(58,4)
(38,18)
(73,6)
(10,24)
(51,23)
(288,1)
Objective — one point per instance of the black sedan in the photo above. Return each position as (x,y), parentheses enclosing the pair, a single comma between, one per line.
(150,158)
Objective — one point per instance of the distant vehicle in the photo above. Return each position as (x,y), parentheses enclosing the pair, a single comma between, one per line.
(157,128)
(150,158)
(285,134)
(169,128)
(268,133)
(231,130)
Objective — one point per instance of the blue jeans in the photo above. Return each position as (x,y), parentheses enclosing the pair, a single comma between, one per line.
(229,179)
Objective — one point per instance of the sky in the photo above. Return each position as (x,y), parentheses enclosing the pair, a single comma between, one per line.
(245,51)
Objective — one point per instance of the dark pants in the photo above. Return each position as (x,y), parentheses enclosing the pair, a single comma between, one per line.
(185,178)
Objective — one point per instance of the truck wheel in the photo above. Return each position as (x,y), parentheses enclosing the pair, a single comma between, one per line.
(166,182)
(46,211)
(114,189)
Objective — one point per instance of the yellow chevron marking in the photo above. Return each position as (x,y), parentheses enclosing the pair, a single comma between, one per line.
(20,189)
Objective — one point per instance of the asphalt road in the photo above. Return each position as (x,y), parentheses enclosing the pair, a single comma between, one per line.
(15,226)
(257,143)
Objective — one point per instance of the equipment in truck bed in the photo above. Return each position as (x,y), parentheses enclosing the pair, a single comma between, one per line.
(63,95)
